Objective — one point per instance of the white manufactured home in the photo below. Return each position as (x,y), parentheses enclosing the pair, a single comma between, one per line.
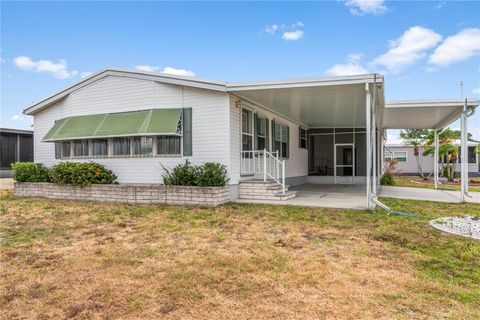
(407,163)
(288,133)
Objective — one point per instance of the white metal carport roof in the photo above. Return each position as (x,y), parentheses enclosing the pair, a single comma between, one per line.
(316,103)
(423,114)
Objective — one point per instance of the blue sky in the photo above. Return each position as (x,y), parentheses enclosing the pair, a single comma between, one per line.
(424,48)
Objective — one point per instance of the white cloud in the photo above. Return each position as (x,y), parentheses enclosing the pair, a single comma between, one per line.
(271,29)
(440,5)
(459,47)
(290,32)
(292,35)
(178,72)
(145,67)
(409,48)
(167,70)
(298,24)
(362,7)
(19,117)
(85,74)
(58,70)
(352,67)
(476,91)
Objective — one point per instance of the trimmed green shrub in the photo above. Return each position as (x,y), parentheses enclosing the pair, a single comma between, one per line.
(211,174)
(30,172)
(387,180)
(181,175)
(81,173)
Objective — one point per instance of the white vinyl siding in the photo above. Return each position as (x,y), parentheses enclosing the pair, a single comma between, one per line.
(210,122)
(296,164)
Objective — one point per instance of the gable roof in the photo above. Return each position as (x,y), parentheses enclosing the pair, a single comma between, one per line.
(135,74)
(195,82)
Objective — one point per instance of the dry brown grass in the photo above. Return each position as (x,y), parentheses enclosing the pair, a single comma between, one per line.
(77,260)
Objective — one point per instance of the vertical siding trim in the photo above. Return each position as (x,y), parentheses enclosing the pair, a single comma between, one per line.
(187,132)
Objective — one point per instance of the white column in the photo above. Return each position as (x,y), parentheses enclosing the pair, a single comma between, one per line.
(435,159)
(382,153)
(464,153)
(374,147)
(368,137)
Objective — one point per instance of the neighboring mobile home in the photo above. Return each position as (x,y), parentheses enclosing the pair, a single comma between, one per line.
(320,130)
(407,163)
(15,145)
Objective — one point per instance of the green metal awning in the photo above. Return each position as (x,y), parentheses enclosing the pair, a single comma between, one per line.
(135,123)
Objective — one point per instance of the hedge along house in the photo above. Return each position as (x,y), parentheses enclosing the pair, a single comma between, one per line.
(316,131)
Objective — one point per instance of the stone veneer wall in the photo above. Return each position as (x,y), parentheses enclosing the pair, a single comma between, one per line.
(126,193)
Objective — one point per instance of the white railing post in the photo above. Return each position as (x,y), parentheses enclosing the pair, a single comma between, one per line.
(264,164)
(278,167)
(283,176)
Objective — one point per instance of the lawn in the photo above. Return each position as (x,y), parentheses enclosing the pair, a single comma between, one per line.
(417,182)
(63,259)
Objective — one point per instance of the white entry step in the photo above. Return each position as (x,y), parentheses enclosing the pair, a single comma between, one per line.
(256,189)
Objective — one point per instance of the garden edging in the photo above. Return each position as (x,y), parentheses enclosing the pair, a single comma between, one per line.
(126,193)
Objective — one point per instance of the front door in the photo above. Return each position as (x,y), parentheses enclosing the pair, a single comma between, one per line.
(344,157)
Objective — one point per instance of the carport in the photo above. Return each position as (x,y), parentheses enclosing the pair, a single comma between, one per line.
(353,111)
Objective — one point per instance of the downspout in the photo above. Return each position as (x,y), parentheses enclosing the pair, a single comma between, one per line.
(467,112)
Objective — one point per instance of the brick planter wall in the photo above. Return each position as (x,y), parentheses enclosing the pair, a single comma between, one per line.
(126,193)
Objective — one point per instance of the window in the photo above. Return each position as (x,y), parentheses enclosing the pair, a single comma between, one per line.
(66,147)
(168,145)
(143,146)
(58,150)
(302,138)
(100,147)
(472,157)
(80,148)
(247,130)
(121,146)
(280,139)
(400,156)
(388,156)
(262,129)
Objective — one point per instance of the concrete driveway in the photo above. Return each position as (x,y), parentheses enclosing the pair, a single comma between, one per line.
(427,194)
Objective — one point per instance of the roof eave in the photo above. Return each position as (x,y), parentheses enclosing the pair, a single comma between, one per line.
(164,78)
(309,82)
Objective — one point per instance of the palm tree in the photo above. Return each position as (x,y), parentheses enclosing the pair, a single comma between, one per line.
(447,149)
(416,138)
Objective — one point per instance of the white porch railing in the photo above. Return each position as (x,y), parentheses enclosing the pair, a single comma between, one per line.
(264,162)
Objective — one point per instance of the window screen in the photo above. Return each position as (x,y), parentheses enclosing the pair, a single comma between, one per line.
(168,145)
(121,146)
(143,146)
(100,147)
(80,148)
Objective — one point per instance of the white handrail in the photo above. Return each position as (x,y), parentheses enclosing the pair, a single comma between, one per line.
(263,162)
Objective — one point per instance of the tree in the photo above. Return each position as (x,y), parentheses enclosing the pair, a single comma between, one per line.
(416,138)
(447,148)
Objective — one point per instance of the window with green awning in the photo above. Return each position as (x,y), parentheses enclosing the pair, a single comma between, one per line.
(135,123)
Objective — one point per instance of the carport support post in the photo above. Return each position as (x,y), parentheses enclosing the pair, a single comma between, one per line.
(368,137)
(464,152)
(374,147)
(435,159)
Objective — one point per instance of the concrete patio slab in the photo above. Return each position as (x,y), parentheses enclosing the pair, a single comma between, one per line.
(323,195)
(344,196)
